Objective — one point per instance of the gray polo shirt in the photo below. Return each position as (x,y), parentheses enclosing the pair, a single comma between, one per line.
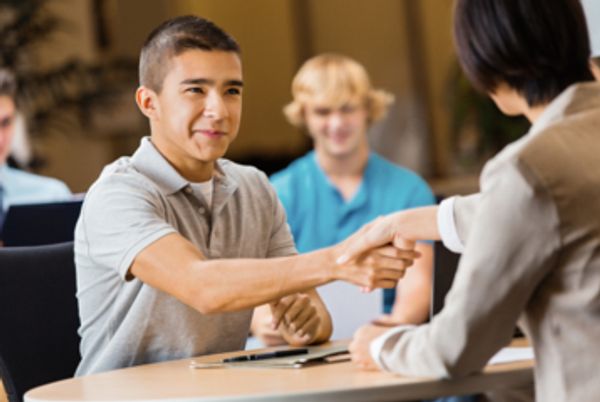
(136,201)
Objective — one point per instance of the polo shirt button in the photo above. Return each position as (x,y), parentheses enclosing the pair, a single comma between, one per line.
(188,190)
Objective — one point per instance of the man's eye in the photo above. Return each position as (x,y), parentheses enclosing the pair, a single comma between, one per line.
(6,122)
(233,91)
(195,90)
(348,109)
(322,112)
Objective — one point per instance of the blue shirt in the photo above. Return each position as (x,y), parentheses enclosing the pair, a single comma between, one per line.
(21,187)
(318,214)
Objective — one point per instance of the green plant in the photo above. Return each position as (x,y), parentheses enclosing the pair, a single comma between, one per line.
(479,129)
(51,98)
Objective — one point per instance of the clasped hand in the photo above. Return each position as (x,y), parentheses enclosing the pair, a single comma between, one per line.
(374,257)
(297,319)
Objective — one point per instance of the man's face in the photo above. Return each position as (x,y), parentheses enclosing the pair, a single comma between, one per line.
(338,131)
(197,113)
(7,126)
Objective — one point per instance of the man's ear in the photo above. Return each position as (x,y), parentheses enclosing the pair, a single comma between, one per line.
(147,101)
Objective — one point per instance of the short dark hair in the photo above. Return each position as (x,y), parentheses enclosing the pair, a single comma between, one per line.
(175,36)
(537,49)
(8,84)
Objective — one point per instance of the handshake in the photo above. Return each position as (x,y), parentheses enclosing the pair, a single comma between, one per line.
(376,256)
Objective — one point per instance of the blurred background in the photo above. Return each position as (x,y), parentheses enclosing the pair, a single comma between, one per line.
(76,61)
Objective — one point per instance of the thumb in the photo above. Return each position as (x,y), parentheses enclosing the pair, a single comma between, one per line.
(403,244)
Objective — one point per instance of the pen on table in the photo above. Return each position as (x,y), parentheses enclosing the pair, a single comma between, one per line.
(267,355)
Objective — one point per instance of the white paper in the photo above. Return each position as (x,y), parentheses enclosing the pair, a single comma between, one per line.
(511,354)
(349,307)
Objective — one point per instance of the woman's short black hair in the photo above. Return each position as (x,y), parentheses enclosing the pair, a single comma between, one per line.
(536,47)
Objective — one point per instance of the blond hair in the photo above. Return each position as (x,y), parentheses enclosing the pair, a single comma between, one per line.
(335,79)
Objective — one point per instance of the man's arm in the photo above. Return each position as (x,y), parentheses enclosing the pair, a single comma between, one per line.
(175,266)
(413,295)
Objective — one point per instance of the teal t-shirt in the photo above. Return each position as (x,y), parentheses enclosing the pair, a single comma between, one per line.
(320,217)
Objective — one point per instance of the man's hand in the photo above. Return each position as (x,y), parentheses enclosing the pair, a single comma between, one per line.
(297,319)
(380,267)
(359,348)
(262,327)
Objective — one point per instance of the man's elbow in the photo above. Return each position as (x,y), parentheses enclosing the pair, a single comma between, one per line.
(207,304)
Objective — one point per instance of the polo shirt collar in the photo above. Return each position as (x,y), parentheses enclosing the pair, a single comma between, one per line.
(360,197)
(150,162)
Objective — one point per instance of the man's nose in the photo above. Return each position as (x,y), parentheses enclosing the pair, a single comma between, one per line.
(214,106)
(335,120)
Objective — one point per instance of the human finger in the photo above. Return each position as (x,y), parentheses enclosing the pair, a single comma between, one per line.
(372,235)
(302,317)
(297,306)
(278,309)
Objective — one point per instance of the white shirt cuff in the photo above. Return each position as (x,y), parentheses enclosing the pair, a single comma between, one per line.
(377,344)
(447,226)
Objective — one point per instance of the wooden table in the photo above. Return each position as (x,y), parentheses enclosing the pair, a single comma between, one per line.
(175,380)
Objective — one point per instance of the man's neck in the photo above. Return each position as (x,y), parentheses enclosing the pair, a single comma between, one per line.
(346,172)
(193,170)
(346,165)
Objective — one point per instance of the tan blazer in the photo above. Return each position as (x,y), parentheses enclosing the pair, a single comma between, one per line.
(532,241)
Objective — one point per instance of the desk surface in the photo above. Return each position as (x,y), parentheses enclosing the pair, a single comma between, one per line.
(175,380)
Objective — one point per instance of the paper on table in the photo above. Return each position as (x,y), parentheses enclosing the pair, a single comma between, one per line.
(349,307)
(316,354)
(511,354)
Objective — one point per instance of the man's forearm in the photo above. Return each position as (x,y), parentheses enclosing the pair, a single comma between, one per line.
(414,290)
(175,266)
(230,285)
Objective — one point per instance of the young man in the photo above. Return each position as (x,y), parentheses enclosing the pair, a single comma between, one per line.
(174,245)
(531,248)
(17,186)
(332,191)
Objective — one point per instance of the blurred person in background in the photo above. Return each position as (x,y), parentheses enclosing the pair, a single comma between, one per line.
(18,186)
(339,186)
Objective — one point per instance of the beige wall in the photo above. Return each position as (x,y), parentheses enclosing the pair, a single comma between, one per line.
(440,59)
(263,29)
(373,32)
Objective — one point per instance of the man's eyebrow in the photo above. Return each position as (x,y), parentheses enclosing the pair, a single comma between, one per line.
(235,83)
(206,81)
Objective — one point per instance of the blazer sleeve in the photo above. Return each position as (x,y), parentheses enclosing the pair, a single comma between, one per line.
(512,243)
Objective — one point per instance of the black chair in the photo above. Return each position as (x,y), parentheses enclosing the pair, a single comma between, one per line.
(39,224)
(444,268)
(39,316)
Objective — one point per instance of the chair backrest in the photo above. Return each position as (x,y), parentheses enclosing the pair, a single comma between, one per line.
(38,224)
(38,311)
(444,269)
(445,264)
